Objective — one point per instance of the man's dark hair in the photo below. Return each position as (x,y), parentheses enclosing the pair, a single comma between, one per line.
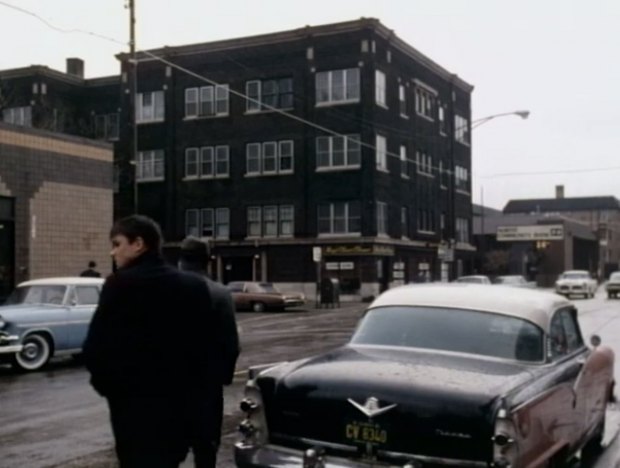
(135,226)
(194,254)
(92,264)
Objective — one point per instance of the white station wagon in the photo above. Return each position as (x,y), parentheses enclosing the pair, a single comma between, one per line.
(45,318)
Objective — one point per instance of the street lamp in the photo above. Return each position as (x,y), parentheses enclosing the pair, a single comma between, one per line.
(524,114)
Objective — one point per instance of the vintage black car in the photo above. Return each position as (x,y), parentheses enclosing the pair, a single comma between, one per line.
(437,375)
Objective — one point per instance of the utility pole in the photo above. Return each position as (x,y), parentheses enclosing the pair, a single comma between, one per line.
(133,92)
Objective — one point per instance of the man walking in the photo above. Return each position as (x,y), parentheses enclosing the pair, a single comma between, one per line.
(194,258)
(152,353)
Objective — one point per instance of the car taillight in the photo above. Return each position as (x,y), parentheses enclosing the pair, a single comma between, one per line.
(505,446)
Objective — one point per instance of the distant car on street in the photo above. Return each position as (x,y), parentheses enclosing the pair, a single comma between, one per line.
(474,279)
(45,318)
(249,295)
(514,280)
(437,375)
(576,282)
(613,285)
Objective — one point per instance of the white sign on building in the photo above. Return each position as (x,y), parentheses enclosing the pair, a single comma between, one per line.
(530,233)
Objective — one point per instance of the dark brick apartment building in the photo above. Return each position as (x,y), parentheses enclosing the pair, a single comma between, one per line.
(379,181)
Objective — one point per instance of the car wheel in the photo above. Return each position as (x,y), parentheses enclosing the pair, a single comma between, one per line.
(258,307)
(35,354)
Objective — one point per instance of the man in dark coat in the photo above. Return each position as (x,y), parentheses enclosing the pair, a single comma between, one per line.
(90,272)
(194,257)
(151,352)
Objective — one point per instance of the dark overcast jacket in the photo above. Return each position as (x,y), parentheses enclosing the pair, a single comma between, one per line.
(153,333)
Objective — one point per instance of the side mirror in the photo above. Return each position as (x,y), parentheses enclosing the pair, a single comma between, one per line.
(595,340)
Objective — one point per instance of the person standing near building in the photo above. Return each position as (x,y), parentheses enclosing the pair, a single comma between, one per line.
(194,258)
(90,272)
(151,352)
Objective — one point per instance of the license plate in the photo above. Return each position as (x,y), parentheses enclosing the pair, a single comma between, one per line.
(366,432)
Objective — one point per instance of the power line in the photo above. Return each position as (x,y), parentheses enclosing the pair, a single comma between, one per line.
(564,171)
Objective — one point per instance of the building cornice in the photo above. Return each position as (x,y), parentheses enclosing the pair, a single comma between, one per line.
(301,34)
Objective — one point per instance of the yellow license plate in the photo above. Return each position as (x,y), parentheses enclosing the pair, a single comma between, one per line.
(366,432)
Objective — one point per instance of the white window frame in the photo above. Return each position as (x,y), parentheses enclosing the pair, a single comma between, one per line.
(424,163)
(255,90)
(404,163)
(402,101)
(351,148)
(152,112)
(347,219)
(208,160)
(258,155)
(380,89)
(192,222)
(381,152)
(222,223)
(254,221)
(461,179)
(107,126)
(150,166)
(461,129)
(404,222)
(192,163)
(326,82)
(270,221)
(462,230)
(425,102)
(207,101)
(18,116)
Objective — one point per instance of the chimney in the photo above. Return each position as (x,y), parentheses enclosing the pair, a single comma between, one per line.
(75,67)
(559,191)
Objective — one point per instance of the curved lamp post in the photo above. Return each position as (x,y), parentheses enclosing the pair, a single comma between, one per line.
(524,114)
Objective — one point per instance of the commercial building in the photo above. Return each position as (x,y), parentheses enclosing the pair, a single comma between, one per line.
(55,204)
(339,137)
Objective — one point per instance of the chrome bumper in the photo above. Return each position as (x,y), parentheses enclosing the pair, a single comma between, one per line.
(6,349)
(252,456)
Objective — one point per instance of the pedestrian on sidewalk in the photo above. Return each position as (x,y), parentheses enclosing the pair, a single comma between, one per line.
(194,258)
(151,351)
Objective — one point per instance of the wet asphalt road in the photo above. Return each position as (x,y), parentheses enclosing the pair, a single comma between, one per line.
(54,419)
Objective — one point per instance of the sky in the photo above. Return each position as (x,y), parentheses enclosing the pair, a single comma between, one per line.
(559,59)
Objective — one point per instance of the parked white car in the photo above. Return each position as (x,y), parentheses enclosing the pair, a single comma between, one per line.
(578,282)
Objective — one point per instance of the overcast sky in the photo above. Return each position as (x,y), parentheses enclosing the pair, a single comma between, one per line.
(555,58)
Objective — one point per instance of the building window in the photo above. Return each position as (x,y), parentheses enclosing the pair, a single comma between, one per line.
(192,223)
(150,166)
(424,163)
(426,220)
(269,157)
(462,230)
(208,222)
(442,176)
(150,107)
(338,86)
(339,218)
(338,151)
(441,113)
(18,116)
(424,102)
(106,126)
(206,101)
(404,222)
(380,88)
(461,129)
(402,100)
(381,152)
(207,162)
(404,167)
(382,218)
(273,93)
(270,221)
(461,179)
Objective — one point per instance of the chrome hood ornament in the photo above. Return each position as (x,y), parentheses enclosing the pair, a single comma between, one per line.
(371,407)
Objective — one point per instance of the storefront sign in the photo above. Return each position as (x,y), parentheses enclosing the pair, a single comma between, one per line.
(382,250)
(331,266)
(530,233)
(347,265)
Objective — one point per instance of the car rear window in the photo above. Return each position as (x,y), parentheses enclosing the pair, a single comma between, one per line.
(456,330)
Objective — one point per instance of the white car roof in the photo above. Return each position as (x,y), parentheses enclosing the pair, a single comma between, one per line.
(532,305)
(62,281)
(582,272)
